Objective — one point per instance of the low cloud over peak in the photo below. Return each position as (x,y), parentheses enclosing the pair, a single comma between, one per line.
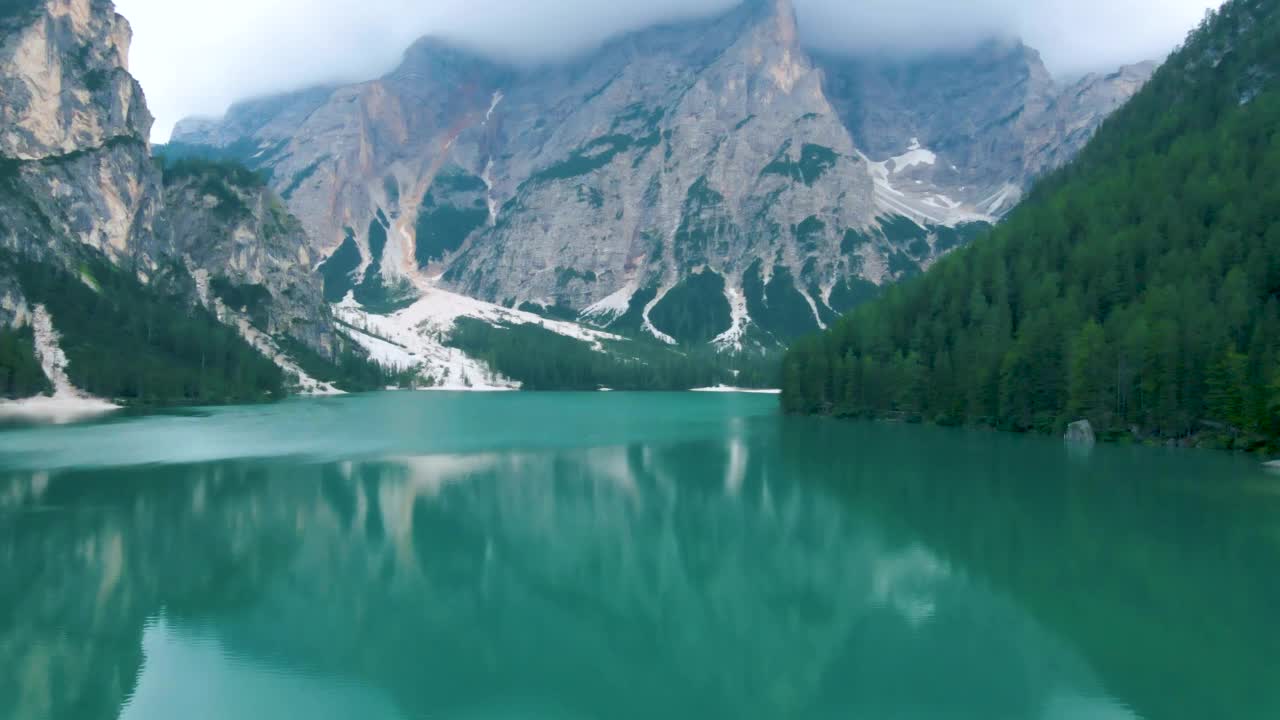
(1073,36)
(196,58)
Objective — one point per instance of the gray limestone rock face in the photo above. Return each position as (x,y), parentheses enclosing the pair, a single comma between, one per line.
(271,118)
(674,154)
(993,118)
(106,198)
(74,156)
(604,183)
(65,85)
(247,251)
(77,177)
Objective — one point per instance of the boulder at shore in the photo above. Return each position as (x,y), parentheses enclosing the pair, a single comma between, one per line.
(1081,432)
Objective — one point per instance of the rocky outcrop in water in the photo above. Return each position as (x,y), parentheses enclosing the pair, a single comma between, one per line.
(1081,433)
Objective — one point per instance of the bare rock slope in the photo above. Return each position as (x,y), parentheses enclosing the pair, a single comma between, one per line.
(78,184)
(711,180)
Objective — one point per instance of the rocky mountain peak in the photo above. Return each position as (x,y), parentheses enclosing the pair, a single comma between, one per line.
(692,181)
(435,55)
(773,43)
(65,85)
(74,130)
(79,186)
(779,16)
(992,118)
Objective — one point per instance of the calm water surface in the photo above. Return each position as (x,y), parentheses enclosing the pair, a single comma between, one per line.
(421,556)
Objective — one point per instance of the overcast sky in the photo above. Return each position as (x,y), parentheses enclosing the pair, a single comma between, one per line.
(195,58)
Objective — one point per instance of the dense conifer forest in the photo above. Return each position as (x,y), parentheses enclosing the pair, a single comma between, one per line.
(132,343)
(1138,287)
(20,372)
(543,360)
(350,370)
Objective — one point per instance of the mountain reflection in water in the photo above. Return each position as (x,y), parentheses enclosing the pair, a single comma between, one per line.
(625,557)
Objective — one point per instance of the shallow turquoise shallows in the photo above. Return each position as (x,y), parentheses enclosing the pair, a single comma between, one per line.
(614,556)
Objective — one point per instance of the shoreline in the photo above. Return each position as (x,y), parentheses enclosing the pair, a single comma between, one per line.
(64,408)
(1198,442)
(56,409)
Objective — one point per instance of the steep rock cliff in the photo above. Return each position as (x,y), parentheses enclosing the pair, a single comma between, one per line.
(710,178)
(248,254)
(82,197)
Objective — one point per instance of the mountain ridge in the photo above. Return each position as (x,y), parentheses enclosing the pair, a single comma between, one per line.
(691,185)
(132,275)
(610,150)
(116,254)
(1136,288)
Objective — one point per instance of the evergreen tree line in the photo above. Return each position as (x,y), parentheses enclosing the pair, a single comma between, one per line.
(135,343)
(350,370)
(20,373)
(544,360)
(1138,287)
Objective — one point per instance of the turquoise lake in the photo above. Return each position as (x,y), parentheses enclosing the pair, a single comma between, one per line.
(433,555)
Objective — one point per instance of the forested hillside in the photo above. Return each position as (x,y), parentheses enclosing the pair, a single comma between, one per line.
(132,343)
(1139,287)
(20,372)
(543,360)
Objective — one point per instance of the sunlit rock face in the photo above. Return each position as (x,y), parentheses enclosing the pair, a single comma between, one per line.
(74,155)
(976,127)
(248,255)
(790,184)
(66,82)
(77,180)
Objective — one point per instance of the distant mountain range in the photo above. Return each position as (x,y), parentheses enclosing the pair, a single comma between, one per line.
(705,181)
(1137,288)
(710,185)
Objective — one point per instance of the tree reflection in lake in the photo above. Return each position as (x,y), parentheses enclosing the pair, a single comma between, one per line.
(775,568)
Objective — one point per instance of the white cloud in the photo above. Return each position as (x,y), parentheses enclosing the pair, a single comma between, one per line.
(1073,36)
(198,57)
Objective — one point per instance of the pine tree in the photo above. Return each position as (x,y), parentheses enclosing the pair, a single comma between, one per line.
(1138,286)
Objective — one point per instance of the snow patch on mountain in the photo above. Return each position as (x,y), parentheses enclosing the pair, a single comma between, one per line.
(494,101)
(647,325)
(416,338)
(920,201)
(491,202)
(915,155)
(68,403)
(265,344)
(1003,199)
(442,367)
(813,307)
(942,202)
(612,307)
(731,339)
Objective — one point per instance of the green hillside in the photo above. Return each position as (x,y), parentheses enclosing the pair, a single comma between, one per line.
(133,343)
(1139,287)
